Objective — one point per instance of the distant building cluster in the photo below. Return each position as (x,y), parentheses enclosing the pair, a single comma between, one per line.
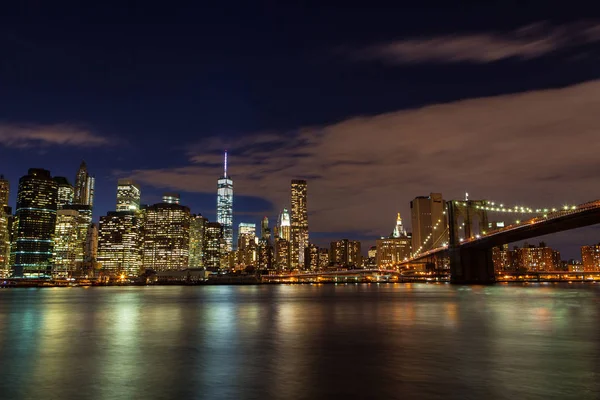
(51,234)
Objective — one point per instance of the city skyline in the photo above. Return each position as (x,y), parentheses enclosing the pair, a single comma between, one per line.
(409,106)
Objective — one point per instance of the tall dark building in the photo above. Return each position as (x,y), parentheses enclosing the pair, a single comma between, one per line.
(36,219)
(5,214)
(84,187)
(213,240)
(299,238)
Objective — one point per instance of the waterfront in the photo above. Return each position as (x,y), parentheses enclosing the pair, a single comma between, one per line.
(301,342)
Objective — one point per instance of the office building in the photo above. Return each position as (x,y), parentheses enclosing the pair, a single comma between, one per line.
(345,253)
(37,198)
(66,192)
(84,187)
(282,254)
(171,198)
(5,216)
(68,247)
(214,242)
(528,258)
(225,206)
(119,243)
(197,240)
(128,195)
(323,258)
(265,254)
(428,222)
(392,250)
(284,229)
(311,257)
(299,221)
(166,237)
(590,257)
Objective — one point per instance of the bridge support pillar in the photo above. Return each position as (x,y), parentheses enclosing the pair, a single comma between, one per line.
(471,266)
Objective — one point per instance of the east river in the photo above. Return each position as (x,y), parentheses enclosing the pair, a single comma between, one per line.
(363,341)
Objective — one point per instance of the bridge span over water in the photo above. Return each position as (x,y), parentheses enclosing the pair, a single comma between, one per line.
(471,257)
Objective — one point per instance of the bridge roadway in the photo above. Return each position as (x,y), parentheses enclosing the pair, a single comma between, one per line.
(470,259)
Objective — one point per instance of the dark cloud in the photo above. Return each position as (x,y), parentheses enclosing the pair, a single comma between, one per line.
(25,136)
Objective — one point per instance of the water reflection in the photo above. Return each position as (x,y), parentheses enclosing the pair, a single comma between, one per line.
(311,341)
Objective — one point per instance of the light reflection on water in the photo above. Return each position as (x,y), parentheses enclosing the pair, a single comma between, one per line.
(301,342)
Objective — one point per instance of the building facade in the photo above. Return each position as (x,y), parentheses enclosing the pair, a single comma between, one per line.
(299,240)
(428,217)
(284,227)
(197,240)
(84,187)
(590,258)
(68,244)
(120,243)
(128,195)
(37,199)
(282,254)
(345,253)
(225,206)
(391,251)
(66,192)
(166,237)
(5,217)
(213,245)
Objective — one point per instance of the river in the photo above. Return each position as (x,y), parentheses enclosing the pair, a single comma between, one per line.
(356,341)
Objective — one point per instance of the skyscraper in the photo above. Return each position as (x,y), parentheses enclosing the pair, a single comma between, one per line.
(67,243)
(398,229)
(212,249)
(428,218)
(5,214)
(35,224)
(166,236)
(119,243)
(84,187)
(225,206)
(285,228)
(197,241)
(128,195)
(66,192)
(299,221)
(4,191)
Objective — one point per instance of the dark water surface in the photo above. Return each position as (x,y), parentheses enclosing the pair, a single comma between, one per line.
(301,342)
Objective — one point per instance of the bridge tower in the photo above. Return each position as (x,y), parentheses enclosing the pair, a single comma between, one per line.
(468,265)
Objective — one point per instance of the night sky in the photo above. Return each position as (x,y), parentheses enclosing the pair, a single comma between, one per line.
(373,106)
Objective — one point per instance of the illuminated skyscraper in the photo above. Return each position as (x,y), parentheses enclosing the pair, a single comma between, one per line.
(590,256)
(398,229)
(119,243)
(212,249)
(84,187)
(225,206)
(35,223)
(392,250)
(68,247)
(128,195)
(5,214)
(166,236)
(299,222)
(197,241)
(66,192)
(4,191)
(282,254)
(246,230)
(285,228)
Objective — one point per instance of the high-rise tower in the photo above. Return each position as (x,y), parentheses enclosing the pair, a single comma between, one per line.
(299,222)
(128,195)
(285,229)
(84,186)
(225,206)
(4,229)
(428,220)
(265,232)
(66,192)
(36,220)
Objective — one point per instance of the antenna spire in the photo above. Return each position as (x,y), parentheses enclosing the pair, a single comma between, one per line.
(225,169)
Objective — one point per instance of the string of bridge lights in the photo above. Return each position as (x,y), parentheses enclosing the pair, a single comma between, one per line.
(492,206)
(429,237)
